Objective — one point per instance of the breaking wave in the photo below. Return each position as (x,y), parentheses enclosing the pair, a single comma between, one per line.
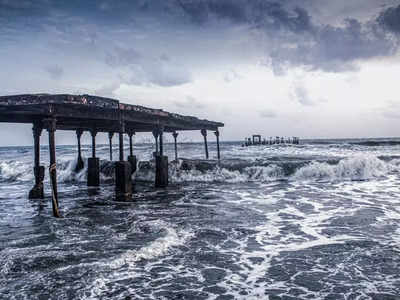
(361,167)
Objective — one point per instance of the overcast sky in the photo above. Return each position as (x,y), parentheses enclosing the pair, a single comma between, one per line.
(289,68)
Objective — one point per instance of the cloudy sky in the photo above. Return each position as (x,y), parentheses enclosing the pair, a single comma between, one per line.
(306,68)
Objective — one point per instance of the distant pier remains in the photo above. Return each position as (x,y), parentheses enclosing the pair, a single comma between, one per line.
(256,139)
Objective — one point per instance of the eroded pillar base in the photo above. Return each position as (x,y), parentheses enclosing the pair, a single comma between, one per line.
(161,171)
(93,175)
(123,181)
(37,191)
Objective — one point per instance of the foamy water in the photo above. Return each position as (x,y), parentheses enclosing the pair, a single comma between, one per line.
(311,221)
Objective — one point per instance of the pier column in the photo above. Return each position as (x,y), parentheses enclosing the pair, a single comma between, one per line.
(156,133)
(37,191)
(175,135)
(123,174)
(51,128)
(161,180)
(93,175)
(131,158)
(204,134)
(110,136)
(218,152)
(79,164)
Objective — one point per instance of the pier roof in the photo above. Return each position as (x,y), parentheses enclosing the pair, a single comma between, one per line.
(88,112)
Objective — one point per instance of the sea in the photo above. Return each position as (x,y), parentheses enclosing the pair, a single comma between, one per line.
(318,220)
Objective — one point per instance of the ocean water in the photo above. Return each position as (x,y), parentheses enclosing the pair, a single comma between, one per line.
(319,220)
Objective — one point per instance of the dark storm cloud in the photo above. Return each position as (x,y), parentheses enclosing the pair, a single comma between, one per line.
(286,31)
(390,19)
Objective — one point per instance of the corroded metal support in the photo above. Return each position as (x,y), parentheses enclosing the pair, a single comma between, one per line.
(93,175)
(161,180)
(217,136)
(204,134)
(37,191)
(50,125)
(79,163)
(110,136)
(175,135)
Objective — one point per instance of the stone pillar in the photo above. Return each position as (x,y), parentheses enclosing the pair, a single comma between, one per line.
(218,152)
(123,173)
(110,136)
(175,135)
(51,128)
(37,191)
(131,158)
(204,134)
(93,175)
(79,164)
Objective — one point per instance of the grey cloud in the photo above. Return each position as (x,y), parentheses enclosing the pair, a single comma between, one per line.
(266,113)
(190,102)
(392,110)
(55,71)
(301,95)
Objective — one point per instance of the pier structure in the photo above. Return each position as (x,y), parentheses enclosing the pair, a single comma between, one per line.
(93,114)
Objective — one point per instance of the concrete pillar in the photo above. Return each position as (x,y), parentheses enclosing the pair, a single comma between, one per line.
(51,128)
(93,175)
(161,171)
(37,191)
(123,181)
(204,134)
(175,135)
(218,152)
(79,164)
(110,136)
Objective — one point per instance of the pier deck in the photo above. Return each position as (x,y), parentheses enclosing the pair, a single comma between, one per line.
(92,112)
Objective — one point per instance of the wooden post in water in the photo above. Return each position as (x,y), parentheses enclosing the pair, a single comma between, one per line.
(110,136)
(93,176)
(217,136)
(175,135)
(131,158)
(123,173)
(161,180)
(51,128)
(156,133)
(79,163)
(204,134)
(37,191)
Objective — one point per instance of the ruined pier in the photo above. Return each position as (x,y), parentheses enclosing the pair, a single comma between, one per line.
(95,114)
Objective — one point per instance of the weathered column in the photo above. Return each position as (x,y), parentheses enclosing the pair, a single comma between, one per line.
(51,128)
(37,191)
(79,164)
(161,179)
(218,152)
(110,136)
(93,175)
(123,182)
(131,158)
(156,133)
(204,134)
(175,135)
